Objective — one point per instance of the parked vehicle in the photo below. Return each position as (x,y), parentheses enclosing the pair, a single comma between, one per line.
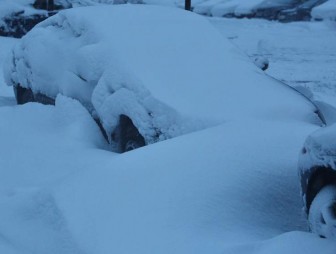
(317,170)
(123,63)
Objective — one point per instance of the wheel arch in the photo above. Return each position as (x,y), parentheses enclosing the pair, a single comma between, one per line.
(320,177)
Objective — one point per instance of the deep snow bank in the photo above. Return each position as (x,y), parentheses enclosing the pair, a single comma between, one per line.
(223,189)
(206,192)
(200,193)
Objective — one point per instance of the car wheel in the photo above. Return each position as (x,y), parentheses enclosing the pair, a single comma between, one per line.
(322,213)
(131,145)
(23,95)
(127,136)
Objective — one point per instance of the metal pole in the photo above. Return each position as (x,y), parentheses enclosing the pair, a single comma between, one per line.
(44,4)
(187,5)
(50,5)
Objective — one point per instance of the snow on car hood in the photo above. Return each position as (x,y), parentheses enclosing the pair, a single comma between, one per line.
(169,70)
(319,149)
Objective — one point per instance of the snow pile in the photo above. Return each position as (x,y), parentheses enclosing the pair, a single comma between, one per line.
(212,192)
(194,198)
(51,145)
(326,11)
(24,216)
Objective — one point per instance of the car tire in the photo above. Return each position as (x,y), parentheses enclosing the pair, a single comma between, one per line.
(131,145)
(322,213)
(23,95)
(128,135)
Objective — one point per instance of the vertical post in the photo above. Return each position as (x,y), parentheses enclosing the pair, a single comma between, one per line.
(50,6)
(44,4)
(187,5)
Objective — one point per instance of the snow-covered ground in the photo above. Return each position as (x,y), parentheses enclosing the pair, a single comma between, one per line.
(302,54)
(227,189)
(326,11)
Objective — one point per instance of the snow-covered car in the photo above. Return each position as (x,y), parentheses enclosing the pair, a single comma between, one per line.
(317,170)
(123,63)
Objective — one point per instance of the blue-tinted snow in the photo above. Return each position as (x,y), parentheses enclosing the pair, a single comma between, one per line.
(229,189)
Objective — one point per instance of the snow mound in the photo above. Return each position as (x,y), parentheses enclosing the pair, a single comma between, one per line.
(32,220)
(296,242)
